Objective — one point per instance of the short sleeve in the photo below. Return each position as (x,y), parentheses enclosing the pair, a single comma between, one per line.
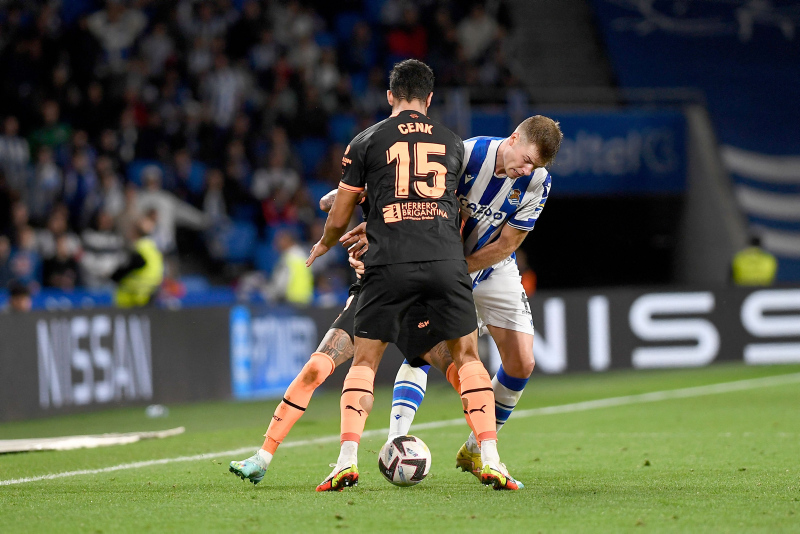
(353,176)
(525,218)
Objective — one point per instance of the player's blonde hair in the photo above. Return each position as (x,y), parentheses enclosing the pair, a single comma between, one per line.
(543,132)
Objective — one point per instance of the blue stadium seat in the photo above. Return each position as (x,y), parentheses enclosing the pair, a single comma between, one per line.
(240,242)
(325,40)
(318,190)
(342,128)
(492,124)
(311,152)
(372,9)
(197,178)
(345,22)
(265,257)
(195,283)
(359,82)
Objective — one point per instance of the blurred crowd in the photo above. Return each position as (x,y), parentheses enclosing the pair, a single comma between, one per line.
(224,120)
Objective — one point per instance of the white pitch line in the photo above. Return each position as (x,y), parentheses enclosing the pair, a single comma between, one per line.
(655,396)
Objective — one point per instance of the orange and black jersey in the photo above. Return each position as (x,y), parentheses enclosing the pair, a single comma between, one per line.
(409,165)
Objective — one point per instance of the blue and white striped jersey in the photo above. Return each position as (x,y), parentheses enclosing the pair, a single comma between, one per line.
(488,202)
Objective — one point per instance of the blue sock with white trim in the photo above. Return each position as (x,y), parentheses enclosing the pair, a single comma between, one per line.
(507,392)
(409,390)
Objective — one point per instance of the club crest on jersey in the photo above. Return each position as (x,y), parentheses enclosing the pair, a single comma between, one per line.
(514,196)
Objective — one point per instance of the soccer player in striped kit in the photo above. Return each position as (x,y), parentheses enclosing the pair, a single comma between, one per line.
(502,190)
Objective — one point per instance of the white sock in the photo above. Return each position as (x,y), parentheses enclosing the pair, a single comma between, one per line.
(409,390)
(265,456)
(472,444)
(507,392)
(489,452)
(348,455)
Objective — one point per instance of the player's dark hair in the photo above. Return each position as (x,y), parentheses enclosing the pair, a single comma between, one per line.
(411,79)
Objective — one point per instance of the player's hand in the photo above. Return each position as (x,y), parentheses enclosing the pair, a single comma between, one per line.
(319,249)
(355,241)
(357,265)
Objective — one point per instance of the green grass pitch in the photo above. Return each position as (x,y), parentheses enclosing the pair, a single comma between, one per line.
(725,462)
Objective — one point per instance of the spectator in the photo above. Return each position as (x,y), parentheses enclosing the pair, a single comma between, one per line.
(111,194)
(754,266)
(291,281)
(53,134)
(14,155)
(359,55)
(263,56)
(199,19)
(157,48)
(47,184)
(171,212)
(150,80)
(215,205)
(19,300)
(61,271)
(108,146)
(274,187)
(25,262)
(224,91)
(477,32)
(103,251)
(140,277)
(5,261)
(116,28)
(6,200)
(56,227)
(187,176)
(19,218)
(409,38)
(80,190)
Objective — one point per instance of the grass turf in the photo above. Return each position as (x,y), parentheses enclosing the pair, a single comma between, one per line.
(718,463)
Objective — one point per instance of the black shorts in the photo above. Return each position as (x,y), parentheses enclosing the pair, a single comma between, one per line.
(415,339)
(416,336)
(348,315)
(443,287)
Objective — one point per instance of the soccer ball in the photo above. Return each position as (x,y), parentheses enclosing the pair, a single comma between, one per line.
(405,461)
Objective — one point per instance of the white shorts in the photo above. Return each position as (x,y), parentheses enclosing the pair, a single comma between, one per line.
(500,299)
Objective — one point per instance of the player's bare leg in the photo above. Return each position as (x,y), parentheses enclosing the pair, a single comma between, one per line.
(355,405)
(334,349)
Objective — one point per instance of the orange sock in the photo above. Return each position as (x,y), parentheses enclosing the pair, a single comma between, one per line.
(452,377)
(356,401)
(477,397)
(296,399)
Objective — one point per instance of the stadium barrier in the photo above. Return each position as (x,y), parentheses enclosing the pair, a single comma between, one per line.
(63,362)
(635,328)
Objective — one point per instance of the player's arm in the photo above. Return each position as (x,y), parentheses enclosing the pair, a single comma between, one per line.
(510,239)
(336,224)
(347,197)
(326,202)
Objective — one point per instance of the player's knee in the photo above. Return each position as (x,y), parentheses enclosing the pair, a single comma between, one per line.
(519,367)
(316,370)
